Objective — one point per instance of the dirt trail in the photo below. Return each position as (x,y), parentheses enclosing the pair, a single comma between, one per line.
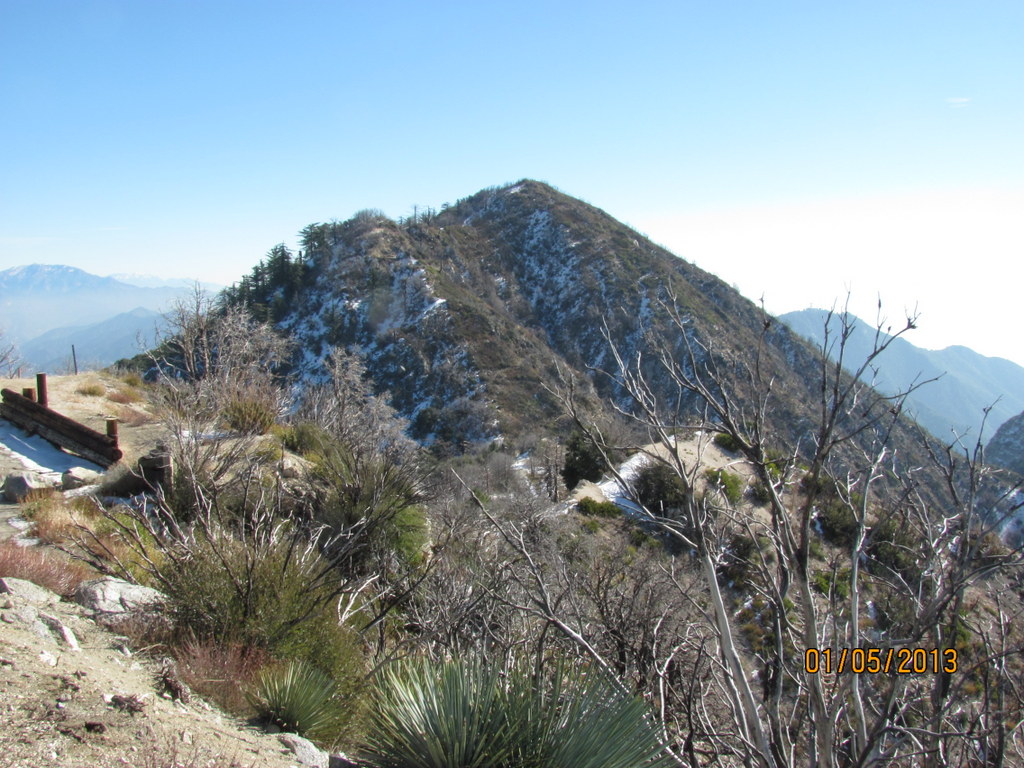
(90,399)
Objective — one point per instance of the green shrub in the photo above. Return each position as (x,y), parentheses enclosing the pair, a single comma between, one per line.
(815,549)
(370,502)
(295,696)
(410,534)
(267,594)
(740,560)
(465,714)
(638,537)
(760,492)
(659,489)
(892,547)
(589,506)
(582,461)
(249,416)
(826,583)
(729,484)
(727,442)
(304,438)
(838,523)
(242,591)
(775,463)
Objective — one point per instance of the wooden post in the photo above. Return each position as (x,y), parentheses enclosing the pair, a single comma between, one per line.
(74,359)
(112,429)
(41,397)
(30,393)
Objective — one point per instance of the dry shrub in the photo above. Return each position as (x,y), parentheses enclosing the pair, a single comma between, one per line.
(133,417)
(125,395)
(46,568)
(250,415)
(121,481)
(91,389)
(132,379)
(220,672)
(40,494)
(50,518)
(56,520)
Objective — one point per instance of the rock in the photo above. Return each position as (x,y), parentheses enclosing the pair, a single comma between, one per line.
(116,596)
(341,760)
(291,467)
(305,751)
(77,477)
(48,658)
(18,485)
(27,591)
(61,630)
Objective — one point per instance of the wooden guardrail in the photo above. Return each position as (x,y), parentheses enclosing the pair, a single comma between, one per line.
(37,418)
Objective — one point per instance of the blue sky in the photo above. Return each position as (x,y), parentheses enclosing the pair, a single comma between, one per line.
(795,149)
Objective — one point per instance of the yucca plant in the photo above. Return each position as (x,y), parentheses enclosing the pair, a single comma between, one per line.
(449,716)
(295,696)
(474,714)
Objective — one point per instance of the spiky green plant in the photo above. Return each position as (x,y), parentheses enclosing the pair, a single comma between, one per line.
(471,714)
(296,696)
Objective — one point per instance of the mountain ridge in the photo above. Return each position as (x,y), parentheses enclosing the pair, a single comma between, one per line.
(968,382)
(469,317)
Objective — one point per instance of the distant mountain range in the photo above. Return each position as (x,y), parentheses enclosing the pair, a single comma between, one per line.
(96,345)
(969,382)
(46,308)
(1006,448)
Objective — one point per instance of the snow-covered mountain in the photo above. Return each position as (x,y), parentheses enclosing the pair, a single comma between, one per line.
(469,318)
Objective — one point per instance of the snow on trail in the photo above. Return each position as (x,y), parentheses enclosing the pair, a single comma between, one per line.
(22,452)
(613,490)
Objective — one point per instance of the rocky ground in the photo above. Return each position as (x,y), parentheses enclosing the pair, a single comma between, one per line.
(73,693)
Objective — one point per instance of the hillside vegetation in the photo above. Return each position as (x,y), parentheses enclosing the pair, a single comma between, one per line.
(763,563)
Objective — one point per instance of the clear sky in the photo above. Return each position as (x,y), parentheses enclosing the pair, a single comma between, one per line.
(796,149)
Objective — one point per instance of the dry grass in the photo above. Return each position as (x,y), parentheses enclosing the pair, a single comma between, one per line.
(220,673)
(132,379)
(120,480)
(125,395)
(56,520)
(133,417)
(46,568)
(91,389)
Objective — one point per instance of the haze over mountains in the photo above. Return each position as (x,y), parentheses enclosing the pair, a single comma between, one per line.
(46,308)
(967,382)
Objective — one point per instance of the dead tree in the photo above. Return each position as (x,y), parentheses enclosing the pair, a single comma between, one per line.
(914,542)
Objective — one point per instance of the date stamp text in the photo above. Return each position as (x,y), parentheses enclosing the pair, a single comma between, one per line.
(874,661)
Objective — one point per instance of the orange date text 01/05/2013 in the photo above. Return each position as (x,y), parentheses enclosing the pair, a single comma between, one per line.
(873,661)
